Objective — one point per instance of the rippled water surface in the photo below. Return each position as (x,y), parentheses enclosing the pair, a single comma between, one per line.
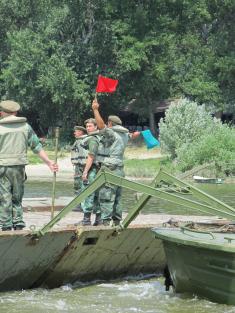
(147,296)
(133,295)
(224,192)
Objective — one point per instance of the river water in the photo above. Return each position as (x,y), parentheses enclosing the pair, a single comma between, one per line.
(134,294)
(224,192)
(127,296)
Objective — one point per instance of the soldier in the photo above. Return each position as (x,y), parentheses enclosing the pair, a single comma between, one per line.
(80,133)
(15,137)
(87,170)
(113,142)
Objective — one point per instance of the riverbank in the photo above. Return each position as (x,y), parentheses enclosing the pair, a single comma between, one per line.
(142,165)
(41,172)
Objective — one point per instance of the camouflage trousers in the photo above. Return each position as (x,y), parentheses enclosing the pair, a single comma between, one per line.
(110,199)
(11,193)
(90,204)
(77,183)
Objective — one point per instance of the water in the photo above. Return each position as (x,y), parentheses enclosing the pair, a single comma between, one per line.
(128,296)
(132,295)
(44,189)
(224,192)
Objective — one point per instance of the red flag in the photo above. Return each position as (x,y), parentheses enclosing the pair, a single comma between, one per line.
(106,84)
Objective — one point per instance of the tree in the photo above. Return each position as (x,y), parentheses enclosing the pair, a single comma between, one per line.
(37,72)
(161,52)
(184,123)
(42,79)
(222,41)
(52,52)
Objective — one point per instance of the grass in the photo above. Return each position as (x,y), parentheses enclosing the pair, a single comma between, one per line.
(139,162)
(141,152)
(142,168)
(34,158)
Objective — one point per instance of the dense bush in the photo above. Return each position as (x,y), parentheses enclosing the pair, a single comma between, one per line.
(184,123)
(217,146)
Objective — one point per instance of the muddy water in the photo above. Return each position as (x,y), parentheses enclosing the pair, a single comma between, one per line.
(138,294)
(224,192)
(128,296)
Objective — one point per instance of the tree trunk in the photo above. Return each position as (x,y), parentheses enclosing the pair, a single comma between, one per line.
(152,122)
(218,114)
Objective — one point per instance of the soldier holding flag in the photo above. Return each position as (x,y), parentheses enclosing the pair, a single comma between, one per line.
(114,139)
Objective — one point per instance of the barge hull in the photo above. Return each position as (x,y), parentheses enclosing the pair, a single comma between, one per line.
(201,264)
(72,254)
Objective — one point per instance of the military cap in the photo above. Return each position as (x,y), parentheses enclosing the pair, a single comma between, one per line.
(90,120)
(80,128)
(115,119)
(9,106)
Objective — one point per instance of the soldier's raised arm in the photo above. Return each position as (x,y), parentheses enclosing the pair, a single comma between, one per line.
(100,122)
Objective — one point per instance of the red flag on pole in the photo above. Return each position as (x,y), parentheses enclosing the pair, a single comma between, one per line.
(106,84)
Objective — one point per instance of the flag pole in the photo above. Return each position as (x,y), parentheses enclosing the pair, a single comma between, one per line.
(57,134)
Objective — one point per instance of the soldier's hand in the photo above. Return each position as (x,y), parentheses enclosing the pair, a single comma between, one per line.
(95,104)
(84,176)
(53,166)
(135,135)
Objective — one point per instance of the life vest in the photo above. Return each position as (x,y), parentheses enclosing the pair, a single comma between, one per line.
(13,141)
(78,153)
(80,149)
(111,150)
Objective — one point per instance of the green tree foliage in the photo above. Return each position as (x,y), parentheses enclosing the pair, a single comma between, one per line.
(222,41)
(37,71)
(51,82)
(216,146)
(184,123)
(52,51)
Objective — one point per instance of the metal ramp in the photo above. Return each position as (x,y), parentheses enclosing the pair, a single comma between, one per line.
(164,186)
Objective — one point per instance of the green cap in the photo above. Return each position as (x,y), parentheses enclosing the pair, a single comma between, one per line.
(90,120)
(80,128)
(115,119)
(9,106)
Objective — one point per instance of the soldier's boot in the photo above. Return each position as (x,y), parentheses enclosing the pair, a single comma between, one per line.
(18,227)
(86,221)
(106,222)
(78,208)
(98,220)
(6,228)
(116,222)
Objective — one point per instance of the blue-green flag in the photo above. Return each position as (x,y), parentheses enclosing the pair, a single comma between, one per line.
(149,139)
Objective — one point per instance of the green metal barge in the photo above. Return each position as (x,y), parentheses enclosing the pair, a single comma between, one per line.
(64,256)
(201,262)
(52,257)
(55,256)
(201,258)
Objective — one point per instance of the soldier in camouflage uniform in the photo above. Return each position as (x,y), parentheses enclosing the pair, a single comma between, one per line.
(113,142)
(80,133)
(87,169)
(15,137)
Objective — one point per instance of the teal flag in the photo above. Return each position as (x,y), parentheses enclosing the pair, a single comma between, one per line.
(149,139)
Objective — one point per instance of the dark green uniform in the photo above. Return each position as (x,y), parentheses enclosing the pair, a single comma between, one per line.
(90,203)
(87,144)
(78,158)
(110,154)
(15,137)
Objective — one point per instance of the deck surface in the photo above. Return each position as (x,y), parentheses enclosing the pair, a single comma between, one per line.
(37,212)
